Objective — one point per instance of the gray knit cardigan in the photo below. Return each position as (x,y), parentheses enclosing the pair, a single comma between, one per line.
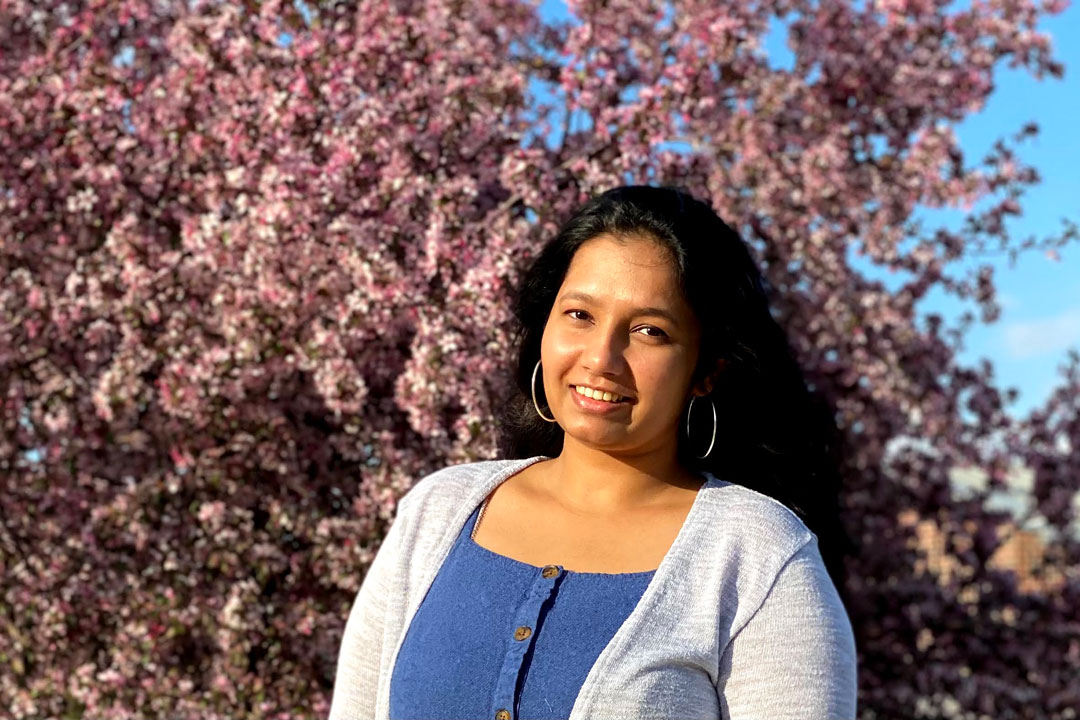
(739,621)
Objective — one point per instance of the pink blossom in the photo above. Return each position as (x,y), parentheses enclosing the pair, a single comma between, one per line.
(252,293)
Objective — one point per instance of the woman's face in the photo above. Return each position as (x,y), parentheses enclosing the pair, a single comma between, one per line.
(620,323)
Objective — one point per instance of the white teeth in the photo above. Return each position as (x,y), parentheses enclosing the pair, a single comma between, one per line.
(597,394)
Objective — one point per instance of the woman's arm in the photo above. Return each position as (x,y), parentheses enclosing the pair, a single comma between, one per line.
(795,658)
(362,645)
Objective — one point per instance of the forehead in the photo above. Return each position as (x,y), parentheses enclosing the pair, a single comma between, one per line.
(633,270)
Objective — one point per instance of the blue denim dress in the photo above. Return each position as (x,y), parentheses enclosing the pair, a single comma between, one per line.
(502,639)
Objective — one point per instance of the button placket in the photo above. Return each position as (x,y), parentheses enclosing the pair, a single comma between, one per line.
(526,618)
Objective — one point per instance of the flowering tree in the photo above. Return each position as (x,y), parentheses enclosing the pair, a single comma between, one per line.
(254,286)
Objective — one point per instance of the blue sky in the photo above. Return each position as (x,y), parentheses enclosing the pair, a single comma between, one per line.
(1040,298)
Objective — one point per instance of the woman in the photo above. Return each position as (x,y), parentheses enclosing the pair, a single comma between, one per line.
(649,546)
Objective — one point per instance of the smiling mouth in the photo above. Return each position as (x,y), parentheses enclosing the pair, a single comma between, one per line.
(607,397)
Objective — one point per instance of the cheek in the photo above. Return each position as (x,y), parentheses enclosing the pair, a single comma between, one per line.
(663,380)
(555,343)
(554,355)
(658,386)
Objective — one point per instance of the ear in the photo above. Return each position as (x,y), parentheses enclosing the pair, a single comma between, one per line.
(706,385)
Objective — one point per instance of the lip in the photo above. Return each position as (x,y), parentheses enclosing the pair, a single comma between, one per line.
(598,407)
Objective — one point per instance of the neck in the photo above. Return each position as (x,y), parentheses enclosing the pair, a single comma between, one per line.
(595,482)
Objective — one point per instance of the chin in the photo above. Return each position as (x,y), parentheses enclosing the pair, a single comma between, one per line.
(599,441)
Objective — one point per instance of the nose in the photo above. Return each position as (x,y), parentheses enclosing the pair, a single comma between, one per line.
(603,354)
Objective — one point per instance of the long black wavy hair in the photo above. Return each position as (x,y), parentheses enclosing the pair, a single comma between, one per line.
(774,435)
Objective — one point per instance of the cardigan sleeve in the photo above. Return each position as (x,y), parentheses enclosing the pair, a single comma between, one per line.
(359,660)
(795,657)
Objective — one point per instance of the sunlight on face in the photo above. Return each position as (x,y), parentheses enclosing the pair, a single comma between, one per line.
(620,323)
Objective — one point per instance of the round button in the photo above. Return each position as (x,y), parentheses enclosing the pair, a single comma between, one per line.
(502,715)
(522,632)
(549,571)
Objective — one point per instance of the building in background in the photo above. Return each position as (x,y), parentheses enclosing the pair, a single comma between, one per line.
(1024,548)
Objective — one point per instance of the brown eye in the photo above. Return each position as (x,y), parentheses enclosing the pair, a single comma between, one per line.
(650,327)
(571,312)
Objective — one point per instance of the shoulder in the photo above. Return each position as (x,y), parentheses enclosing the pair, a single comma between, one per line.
(751,528)
(743,542)
(450,485)
(756,519)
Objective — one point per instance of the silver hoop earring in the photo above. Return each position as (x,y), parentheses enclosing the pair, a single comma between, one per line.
(532,386)
(713,440)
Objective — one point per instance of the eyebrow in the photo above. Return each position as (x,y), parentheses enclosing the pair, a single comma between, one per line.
(658,312)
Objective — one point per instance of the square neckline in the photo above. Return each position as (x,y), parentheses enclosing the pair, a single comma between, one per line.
(477,512)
